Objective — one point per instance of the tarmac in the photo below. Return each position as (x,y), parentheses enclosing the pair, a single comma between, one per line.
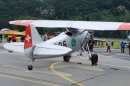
(113,70)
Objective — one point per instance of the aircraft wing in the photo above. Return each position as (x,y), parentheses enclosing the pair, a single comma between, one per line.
(89,25)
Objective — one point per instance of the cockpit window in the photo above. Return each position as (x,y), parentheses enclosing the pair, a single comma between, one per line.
(68,33)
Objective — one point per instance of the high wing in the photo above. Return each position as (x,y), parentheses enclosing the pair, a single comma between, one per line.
(89,25)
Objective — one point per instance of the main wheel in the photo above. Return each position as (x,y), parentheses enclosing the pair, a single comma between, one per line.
(67,58)
(94,59)
(30,67)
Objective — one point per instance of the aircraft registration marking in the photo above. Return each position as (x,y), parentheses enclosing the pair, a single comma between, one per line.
(53,70)
(62,44)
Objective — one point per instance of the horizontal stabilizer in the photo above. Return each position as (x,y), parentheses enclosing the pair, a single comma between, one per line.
(50,50)
(18,46)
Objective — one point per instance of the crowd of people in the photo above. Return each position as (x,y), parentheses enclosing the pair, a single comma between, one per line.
(110,44)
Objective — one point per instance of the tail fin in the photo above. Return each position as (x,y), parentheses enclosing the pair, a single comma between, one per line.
(32,38)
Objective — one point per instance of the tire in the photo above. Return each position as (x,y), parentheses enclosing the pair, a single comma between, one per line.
(67,58)
(30,67)
(94,59)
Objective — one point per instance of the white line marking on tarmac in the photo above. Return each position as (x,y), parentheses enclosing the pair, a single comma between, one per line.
(46,72)
(120,54)
(27,71)
(45,59)
(116,66)
(25,58)
(104,64)
(12,66)
(11,52)
(105,53)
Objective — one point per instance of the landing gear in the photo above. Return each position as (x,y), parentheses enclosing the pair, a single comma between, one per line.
(30,67)
(94,59)
(66,58)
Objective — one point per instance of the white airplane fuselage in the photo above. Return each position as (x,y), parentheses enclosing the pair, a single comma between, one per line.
(73,42)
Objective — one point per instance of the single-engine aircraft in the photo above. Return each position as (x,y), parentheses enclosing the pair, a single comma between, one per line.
(65,43)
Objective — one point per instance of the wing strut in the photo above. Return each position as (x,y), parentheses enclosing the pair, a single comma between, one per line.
(67,29)
(85,44)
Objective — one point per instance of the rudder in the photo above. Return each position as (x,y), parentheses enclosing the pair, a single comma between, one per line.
(32,38)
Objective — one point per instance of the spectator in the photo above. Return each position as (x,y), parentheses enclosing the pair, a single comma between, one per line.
(102,43)
(129,47)
(108,44)
(13,38)
(95,42)
(6,36)
(22,38)
(122,44)
(91,43)
(98,42)
(112,43)
(0,37)
(9,39)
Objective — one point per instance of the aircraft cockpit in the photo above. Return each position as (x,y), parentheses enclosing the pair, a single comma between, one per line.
(68,33)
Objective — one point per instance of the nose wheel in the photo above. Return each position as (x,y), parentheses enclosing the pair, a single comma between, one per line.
(30,67)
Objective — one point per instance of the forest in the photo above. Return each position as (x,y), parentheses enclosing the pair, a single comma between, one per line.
(95,10)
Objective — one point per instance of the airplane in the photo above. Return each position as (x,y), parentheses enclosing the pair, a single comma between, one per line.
(65,43)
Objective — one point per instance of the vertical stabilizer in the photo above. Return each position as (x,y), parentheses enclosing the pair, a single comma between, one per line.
(32,38)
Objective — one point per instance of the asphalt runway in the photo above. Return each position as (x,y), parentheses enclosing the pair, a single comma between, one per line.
(113,70)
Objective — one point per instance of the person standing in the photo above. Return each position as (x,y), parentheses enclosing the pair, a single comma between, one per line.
(108,44)
(13,38)
(102,43)
(122,47)
(0,37)
(22,38)
(129,47)
(112,43)
(98,42)
(91,43)
(95,42)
